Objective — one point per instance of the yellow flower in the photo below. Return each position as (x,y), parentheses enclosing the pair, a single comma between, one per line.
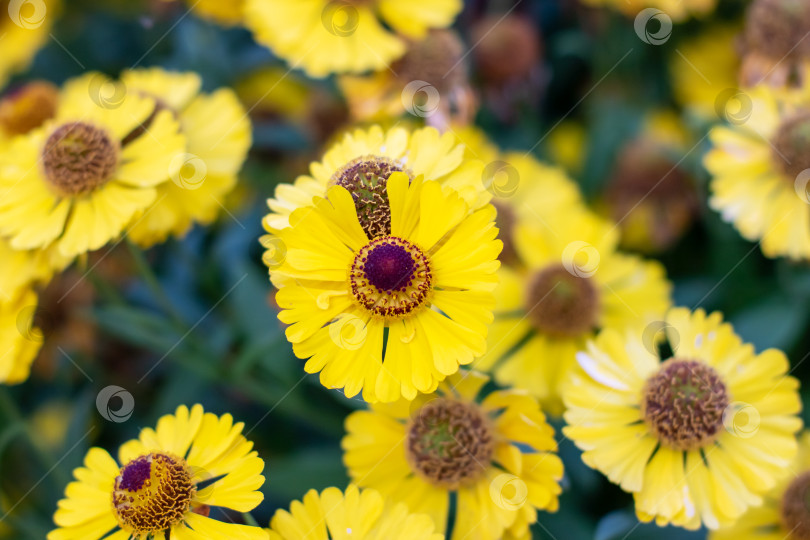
(430,81)
(23,268)
(784,514)
(571,282)
(496,455)
(677,10)
(707,66)
(416,264)
(217,133)
(760,172)
(21,340)
(323,36)
(27,108)
(423,152)
(650,194)
(225,12)
(25,27)
(697,438)
(359,515)
(170,478)
(567,145)
(273,91)
(79,180)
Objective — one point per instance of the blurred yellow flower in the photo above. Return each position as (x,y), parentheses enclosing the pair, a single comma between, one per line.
(760,171)
(784,515)
(19,336)
(23,268)
(494,454)
(704,67)
(218,136)
(79,180)
(677,10)
(569,282)
(155,492)
(359,515)
(698,437)
(25,27)
(329,36)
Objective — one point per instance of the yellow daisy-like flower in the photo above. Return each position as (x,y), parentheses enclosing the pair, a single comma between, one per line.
(170,478)
(356,515)
(496,455)
(430,81)
(761,170)
(327,36)
(707,66)
(25,27)
(415,263)
(784,515)
(225,12)
(218,137)
(570,283)
(698,437)
(20,340)
(79,180)
(21,269)
(527,190)
(677,10)
(27,108)
(370,156)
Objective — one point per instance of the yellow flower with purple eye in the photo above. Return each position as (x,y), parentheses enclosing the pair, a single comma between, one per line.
(166,483)
(389,294)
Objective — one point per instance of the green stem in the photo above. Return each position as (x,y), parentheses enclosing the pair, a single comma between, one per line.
(249,519)
(154,285)
(12,411)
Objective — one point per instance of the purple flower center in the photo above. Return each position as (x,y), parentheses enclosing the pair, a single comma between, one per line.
(136,473)
(389,267)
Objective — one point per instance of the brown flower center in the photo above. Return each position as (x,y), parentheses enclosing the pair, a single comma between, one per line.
(508,48)
(152,493)
(450,443)
(366,178)
(28,107)
(796,508)
(436,60)
(390,277)
(78,158)
(777,28)
(561,303)
(791,144)
(683,404)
